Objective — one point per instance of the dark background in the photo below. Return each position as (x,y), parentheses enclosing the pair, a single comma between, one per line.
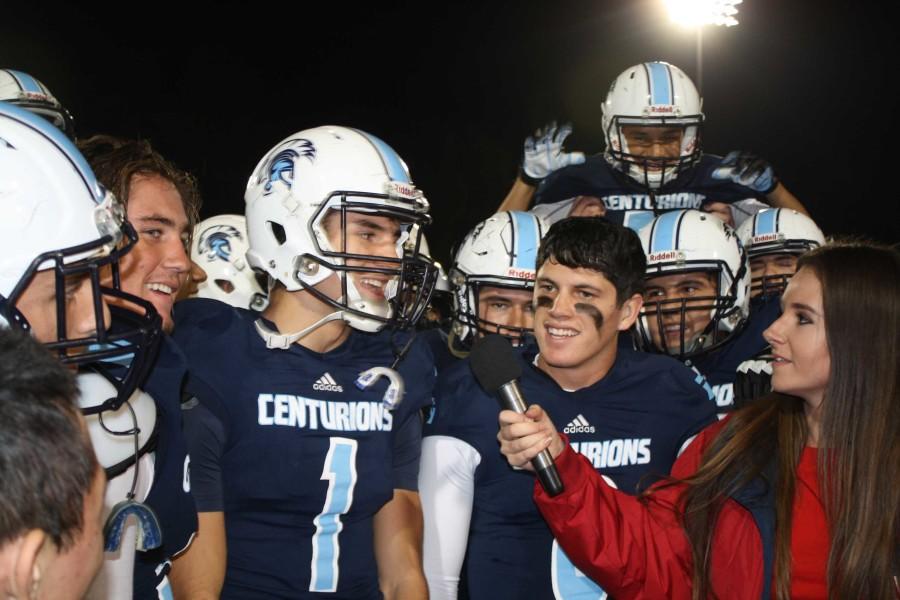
(455,88)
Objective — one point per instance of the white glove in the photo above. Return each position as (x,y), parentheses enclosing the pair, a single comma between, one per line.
(544,153)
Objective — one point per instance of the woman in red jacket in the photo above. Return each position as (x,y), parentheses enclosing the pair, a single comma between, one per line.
(796,495)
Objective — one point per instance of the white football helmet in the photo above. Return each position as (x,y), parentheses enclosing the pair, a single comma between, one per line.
(314,172)
(25,91)
(652,94)
(219,246)
(690,241)
(778,231)
(501,251)
(58,217)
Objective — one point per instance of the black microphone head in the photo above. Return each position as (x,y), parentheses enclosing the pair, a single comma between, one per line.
(494,362)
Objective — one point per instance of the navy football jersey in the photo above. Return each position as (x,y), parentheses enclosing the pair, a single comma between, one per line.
(308,458)
(719,367)
(170,494)
(626,202)
(630,425)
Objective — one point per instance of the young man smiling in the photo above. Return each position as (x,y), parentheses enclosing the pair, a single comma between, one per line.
(697,299)
(304,459)
(653,161)
(629,412)
(162,203)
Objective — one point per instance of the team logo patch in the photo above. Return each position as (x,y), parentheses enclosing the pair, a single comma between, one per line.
(281,166)
(215,242)
(326,383)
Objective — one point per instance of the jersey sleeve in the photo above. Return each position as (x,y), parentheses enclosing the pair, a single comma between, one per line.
(407,442)
(205,437)
(447,489)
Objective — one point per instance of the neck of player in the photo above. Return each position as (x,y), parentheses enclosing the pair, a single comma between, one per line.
(295,311)
(575,377)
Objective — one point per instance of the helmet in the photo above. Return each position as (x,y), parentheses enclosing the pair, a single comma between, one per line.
(778,231)
(313,173)
(652,94)
(58,217)
(219,246)
(502,252)
(25,91)
(690,241)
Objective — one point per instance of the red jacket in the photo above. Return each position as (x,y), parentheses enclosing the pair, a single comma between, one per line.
(639,550)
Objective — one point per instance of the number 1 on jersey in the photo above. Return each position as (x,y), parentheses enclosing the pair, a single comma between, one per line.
(340,472)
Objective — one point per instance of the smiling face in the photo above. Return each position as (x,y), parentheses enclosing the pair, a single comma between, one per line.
(653,142)
(802,361)
(158,265)
(576,323)
(678,309)
(367,234)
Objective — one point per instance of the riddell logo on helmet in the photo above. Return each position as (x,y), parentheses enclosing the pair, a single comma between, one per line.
(667,255)
(662,108)
(402,190)
(520,273)
(768,237)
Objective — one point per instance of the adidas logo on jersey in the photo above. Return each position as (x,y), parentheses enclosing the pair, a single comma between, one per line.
(579,425)
(326,383)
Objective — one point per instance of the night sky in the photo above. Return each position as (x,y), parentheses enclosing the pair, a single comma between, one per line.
(455,87)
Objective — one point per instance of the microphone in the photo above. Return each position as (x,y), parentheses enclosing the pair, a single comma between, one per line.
(497,368)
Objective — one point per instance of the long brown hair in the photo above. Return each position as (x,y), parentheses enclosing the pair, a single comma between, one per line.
(859,466)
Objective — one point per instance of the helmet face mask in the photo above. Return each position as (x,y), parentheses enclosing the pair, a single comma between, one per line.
(698,269)
(468,315)
(500,252)
(406,276)
(774,236)
(649,107)
(688,325)
(652,171)
(68,227)
(305,205)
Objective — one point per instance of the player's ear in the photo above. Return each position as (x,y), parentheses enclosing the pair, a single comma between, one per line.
(23,554)
(629,311)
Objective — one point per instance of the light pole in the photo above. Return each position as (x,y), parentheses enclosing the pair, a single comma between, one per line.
(694,14)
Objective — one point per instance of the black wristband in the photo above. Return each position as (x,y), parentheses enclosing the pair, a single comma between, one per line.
(528,179)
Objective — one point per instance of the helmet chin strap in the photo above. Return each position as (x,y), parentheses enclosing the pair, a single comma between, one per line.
(283,341)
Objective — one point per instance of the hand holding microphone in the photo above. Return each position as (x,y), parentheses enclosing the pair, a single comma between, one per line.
(525,436)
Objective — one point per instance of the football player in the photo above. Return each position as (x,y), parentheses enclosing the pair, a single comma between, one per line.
(697,298)
(774,239)
(653,162)
(629,412)
(493,281)
(219,246)
(304,447)
(162,202)
(62,243)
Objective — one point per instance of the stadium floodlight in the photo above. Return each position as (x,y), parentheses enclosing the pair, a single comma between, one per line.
(696,13)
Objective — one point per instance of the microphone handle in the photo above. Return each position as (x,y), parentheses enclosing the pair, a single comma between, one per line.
(510,397)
